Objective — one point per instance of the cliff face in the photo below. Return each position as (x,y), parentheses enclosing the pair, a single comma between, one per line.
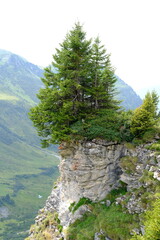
(91,170)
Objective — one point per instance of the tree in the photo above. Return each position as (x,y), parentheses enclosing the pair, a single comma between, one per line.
(144,117)
(155,99)
(78,84)
(103,78)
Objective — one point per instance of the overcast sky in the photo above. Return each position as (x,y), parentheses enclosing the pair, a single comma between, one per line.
(129,29)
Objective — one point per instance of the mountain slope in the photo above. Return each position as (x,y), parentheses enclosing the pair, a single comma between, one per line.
(19,77)
(26,171)
(19,83)
(130,100)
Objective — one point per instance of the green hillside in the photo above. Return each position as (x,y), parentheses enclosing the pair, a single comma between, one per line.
(27,172)
(18,77)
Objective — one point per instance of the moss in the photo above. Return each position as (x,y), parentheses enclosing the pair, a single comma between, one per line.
(137,141)
(153,185)
(150,191)
(128,164)
(157,153)
(130,146)
(155,146)
(146,177)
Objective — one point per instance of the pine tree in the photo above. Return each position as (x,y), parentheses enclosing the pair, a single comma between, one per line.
(103,78)
(62,101)
(144,117)
(78,84)
(155,99)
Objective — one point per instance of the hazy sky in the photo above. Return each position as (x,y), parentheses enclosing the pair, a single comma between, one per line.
(129,29)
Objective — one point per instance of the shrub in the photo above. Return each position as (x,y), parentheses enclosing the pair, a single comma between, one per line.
(108,125)
(151,223)
(128,164)
(155,146)
(74,206)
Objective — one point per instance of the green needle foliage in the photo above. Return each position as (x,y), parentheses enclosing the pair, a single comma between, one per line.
(145,117)
(79,86)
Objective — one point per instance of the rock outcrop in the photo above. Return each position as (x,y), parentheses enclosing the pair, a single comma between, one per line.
(87,169)
(91,170)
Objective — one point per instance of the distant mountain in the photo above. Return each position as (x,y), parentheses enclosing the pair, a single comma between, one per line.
(26,170)
(130,99)
(19,83)
(19,77)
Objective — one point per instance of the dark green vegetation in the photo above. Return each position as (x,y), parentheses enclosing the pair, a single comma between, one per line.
(26,171)
(112,220)
(79,98)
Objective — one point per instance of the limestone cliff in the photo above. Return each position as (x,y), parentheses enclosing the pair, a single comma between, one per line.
(91,170)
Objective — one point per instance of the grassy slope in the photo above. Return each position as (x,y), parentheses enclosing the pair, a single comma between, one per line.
(112,220)
(26,170)
(26,173)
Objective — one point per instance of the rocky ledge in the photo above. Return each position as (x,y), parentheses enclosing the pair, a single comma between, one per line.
(91,170)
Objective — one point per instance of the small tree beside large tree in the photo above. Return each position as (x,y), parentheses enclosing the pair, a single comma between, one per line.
(145,117)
